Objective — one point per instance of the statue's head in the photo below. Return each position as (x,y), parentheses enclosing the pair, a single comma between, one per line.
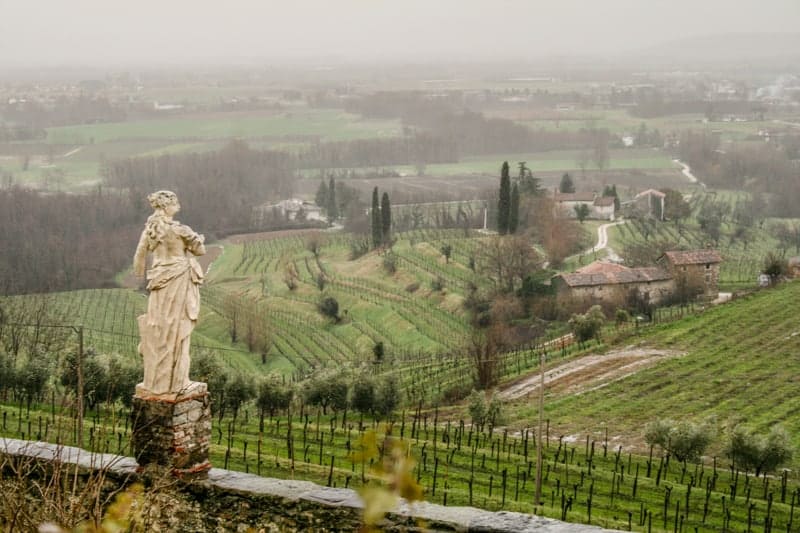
(163,200)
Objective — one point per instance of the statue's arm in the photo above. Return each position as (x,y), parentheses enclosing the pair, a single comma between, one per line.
(140,257)
(195,242)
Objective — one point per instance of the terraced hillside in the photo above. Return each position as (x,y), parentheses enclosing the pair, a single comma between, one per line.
(741,364)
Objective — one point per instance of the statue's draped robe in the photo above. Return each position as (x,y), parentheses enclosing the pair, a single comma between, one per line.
(172,311)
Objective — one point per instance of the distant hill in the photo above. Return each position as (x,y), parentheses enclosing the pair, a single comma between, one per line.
(767,49)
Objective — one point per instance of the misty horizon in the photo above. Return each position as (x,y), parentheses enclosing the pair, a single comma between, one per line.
(45,33)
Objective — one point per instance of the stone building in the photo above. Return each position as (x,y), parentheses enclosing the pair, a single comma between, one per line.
(680,276)
(648,203)
(600,207)
(613,285)
(696,272)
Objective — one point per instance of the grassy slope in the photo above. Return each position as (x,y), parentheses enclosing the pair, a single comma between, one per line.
(109,318)
(741,364)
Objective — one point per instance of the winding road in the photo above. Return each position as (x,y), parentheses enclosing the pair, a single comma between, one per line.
(602,242)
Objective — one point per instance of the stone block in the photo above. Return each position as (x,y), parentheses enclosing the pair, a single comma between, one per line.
(173,433)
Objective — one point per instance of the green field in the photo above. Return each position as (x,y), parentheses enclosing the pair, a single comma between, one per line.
(326,124)
(620,122)
(558,160)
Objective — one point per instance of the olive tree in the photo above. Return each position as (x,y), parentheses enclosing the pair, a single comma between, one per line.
(685,441)
(758,452)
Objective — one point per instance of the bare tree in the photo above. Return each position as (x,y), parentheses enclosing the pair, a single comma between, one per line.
(507,260)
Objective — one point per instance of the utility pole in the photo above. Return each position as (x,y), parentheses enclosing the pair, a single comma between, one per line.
(538,497)
(79,331)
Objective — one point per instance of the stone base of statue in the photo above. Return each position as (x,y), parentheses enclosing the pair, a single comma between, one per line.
(172,431)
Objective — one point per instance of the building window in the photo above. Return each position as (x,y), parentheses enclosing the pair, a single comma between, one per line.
(708,266)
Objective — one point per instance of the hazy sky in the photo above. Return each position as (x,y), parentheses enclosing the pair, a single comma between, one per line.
(114,32)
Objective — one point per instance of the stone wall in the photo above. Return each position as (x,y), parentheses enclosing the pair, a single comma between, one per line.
(234,501)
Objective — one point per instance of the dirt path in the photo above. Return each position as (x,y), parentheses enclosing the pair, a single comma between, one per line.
(602,242)
(589,372)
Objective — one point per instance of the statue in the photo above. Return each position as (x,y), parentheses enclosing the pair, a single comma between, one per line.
(174,281)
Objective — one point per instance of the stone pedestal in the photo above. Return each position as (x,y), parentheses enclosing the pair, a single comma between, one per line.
(173,430)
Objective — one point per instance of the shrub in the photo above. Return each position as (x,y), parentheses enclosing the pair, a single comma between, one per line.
(329,307)
(437,285)
(327,390)
(378,351)
(477,409)
(388,396)
(446,250)
(362,395)
(588,325)
(759,453)
(358,247)
(621,317)
(683,440)
(239,391)
(390,262)
(273,395)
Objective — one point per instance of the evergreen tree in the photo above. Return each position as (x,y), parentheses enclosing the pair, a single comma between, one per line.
(321,197)
(386,219)
(504,200)
(566,185)
(377,233)
(513,212)
(611,191)
(333,211)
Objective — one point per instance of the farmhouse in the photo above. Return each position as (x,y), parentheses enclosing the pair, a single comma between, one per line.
(612,284)
(600,207)
(696,272)
(688,275)
(292,209)
(650,203)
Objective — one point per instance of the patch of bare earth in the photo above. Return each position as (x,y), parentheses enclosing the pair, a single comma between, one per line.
(589,372)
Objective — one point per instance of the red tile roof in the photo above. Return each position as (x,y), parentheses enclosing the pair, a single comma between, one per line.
(693,257)
(603,273)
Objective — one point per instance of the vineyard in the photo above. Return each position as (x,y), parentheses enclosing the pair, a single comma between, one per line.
(417,313)
(588,479)
(743,253)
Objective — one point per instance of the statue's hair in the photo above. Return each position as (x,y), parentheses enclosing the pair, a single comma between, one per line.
(161,199)
(157,224)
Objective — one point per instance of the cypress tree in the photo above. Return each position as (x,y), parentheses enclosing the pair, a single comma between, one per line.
(333,212)
(386,219)
(377,234)
(504,200)
(566,185)
(513,212)
(321,197)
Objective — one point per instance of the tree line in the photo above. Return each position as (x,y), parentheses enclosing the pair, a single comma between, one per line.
(470,132)
(218,189)
(63,242)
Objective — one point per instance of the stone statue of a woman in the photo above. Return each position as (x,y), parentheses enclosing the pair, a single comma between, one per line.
(173,280)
